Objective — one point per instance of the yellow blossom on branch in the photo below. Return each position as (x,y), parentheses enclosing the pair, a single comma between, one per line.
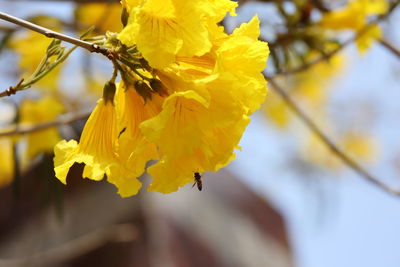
(163,29)
(97,146)
(185,101)
(355,16)
(105,16)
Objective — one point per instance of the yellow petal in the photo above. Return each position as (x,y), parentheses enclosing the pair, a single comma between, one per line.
(162,29)
(250,29)
(215,152)
(105,16)
(6,162)
(126,182)
(97,146)
(64,153)
(365,40)
(376,7)
(352,16)
(134,149)
(240,61)
(168,176)
(276,110)
(176,130)
(130,4)
(216,9)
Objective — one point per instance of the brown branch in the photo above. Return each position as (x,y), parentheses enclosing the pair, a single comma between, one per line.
(63,120)
(327,141)
(76,247)
(324,57)
(11,90)
(390,47)
(52,34)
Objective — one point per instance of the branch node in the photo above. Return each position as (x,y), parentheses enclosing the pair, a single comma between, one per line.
(49,34)
(12,90)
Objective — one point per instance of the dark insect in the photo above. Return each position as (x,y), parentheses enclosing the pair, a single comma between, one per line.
(197,181)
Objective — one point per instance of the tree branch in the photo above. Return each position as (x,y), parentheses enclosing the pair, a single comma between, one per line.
(52,34)
(327,141)
(63,120)
(390,47)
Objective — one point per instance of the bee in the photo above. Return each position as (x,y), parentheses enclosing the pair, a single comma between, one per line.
(197,181)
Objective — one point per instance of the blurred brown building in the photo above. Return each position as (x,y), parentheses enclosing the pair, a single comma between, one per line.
(226,224)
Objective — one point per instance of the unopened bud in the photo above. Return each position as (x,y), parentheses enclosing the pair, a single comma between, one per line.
(158,87)
(143,89)
(124,16)
(109,91)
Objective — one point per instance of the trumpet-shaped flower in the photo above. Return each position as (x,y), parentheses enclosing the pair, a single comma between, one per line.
(134,149)
(96,148)
(163,29)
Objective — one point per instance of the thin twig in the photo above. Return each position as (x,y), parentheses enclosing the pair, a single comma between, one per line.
(327,141)
(52,34)
(76,247)
(37,75)
(12,89)
(324,57)
(63,120)
(390,47)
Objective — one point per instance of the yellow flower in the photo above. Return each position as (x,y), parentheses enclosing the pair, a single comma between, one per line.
(203,118)
(354,16)
(240,60)
(201,144)
(32,112)
(6,161)
(105,16)
(201,123)
(312,86)
(188,110)
(359,146)
(134,149)
(276,110)
(365,40)
(96,148)
(163,29)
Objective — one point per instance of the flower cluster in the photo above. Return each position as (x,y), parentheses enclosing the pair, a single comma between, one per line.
(185,103)
(354,16)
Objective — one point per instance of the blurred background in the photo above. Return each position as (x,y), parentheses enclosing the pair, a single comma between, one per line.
(286,200)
